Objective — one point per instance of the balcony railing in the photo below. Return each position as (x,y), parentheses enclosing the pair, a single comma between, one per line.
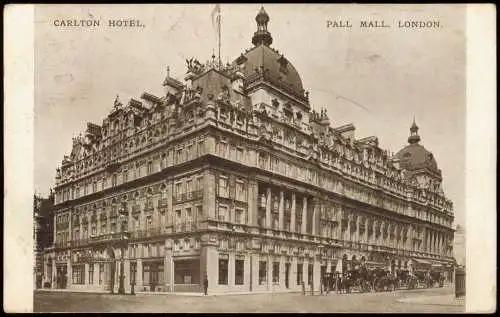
(163,202)
(196,194)
(185,226)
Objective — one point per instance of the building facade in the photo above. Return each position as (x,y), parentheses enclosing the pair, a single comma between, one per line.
(43,218)
(231,175)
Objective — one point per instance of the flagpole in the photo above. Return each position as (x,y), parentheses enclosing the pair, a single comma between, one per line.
(219,29)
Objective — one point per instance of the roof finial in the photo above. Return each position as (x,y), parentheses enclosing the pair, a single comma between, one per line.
(414,137)
(262,36)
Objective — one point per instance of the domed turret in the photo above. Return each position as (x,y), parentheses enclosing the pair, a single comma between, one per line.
(414,156)
(262,60)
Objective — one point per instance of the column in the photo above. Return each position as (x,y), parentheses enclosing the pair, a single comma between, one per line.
(292,214)
(53,280)
(304,216)
(108,223)
(381,233)
(282,273)
(268,209)
(348,231)
(70,225)
(292,282)
(388,240)
(208,197)
(98,229)
(269,273)
(86,274)
(281,211)
(81,230)
(138,286)
(314,228)
(55,230)
(142,217)
(374,229)
(253,201)
(358,220)
(70,274)
(316,275)
(365,239)
(230,270)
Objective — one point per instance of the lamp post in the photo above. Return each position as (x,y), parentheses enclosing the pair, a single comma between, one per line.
(123,240)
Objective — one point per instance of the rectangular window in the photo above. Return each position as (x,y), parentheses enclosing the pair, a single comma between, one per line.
(190,153)
(201,147)
(114,180)
(133,272)
(240,190)
(178,189)
(189,186)
(113,227)
(178,216)
(91,273)
(239,154)
(262,272)
(239,271)
(94,229)
(94,187)
(199,211)
(179,156)
(223,149)
(104,227)
(223,271)
(310,272)
(125,176)
(223,191)
(78,272)
(299,273)
(199,184)
(276,272)
(239,216)
(150,168)
(222,213)
(189,215)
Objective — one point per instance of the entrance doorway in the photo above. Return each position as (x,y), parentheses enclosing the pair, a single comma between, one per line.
(287,275)
(62,276)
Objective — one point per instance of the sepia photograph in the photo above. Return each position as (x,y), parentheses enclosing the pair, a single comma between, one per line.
(204,158)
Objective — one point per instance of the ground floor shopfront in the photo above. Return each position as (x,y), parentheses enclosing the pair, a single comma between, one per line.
(238,265)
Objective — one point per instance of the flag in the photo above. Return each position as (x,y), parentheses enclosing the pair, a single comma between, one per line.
(216,19)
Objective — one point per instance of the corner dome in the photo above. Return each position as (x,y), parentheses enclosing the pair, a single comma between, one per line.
(262,60)
(414,156)
(276,68)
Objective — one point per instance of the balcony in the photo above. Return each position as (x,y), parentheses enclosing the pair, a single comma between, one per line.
(136,209)
(187,226)
(149,205)
(163,202)
(196,194)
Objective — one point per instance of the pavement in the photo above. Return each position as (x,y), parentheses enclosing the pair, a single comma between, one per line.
(434,300)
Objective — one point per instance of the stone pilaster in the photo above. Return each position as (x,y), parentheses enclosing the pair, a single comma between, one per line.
(292,214)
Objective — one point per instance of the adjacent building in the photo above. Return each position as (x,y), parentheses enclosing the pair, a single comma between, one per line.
(231,175)
(43,217)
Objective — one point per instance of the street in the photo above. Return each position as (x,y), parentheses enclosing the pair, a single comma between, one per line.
(420,300)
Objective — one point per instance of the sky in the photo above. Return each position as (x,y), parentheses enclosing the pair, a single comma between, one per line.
(377,79)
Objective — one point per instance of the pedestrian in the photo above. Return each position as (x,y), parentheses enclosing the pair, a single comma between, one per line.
(303,288)
(321,283)
(205,284)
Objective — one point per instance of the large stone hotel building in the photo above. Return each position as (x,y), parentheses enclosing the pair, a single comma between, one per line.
(231,175)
